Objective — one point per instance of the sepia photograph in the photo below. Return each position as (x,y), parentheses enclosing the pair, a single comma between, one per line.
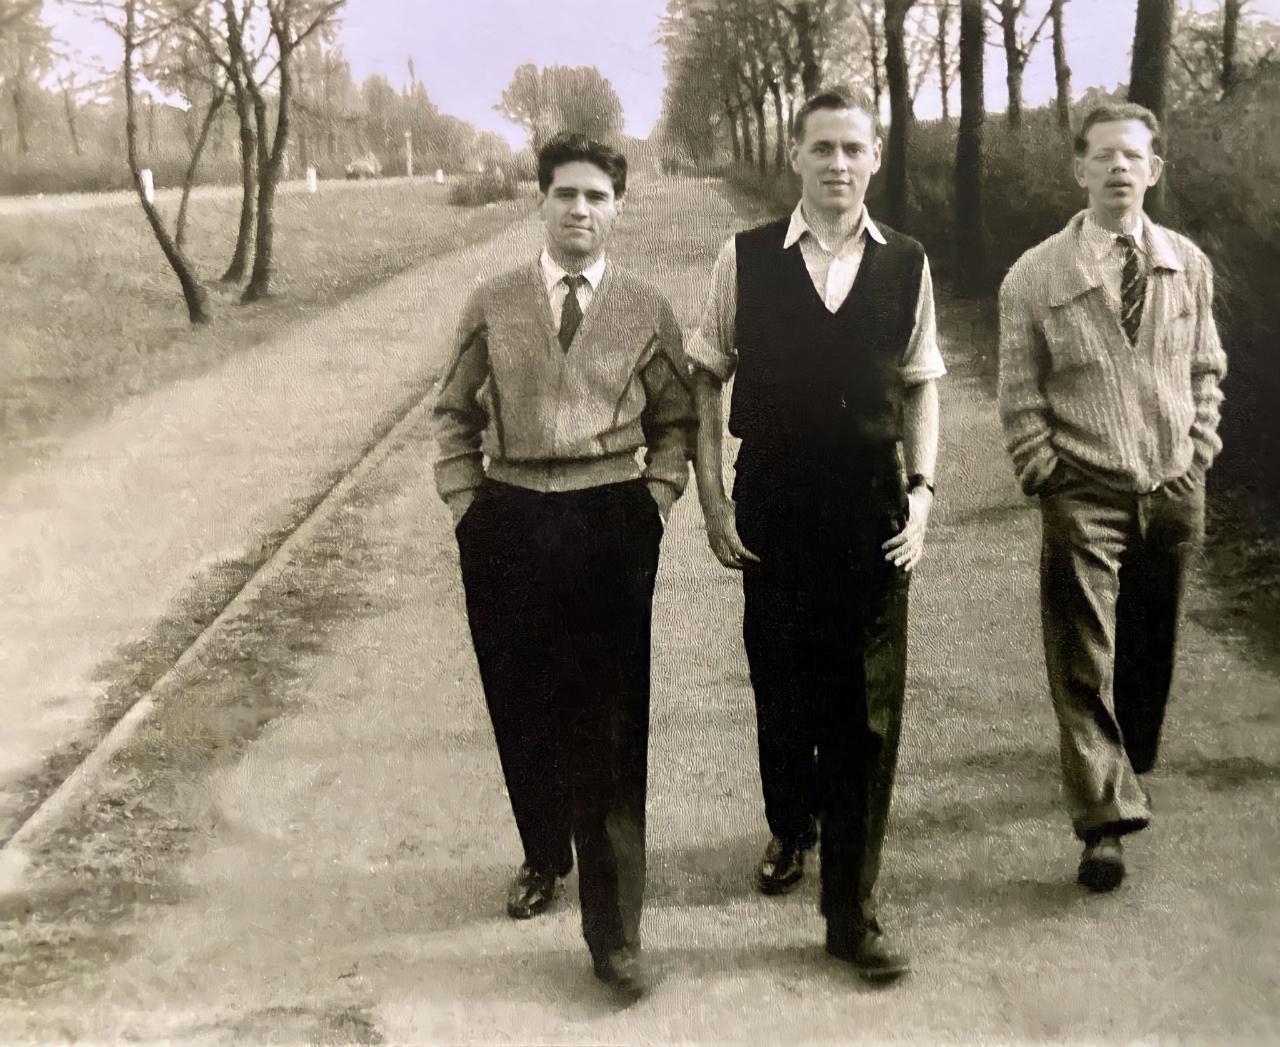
(639,522)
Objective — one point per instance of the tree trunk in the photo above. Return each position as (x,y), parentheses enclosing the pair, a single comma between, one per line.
(197,149)
(1061,71)
(1013,69)
(791,115)
(895,61)
(192,292)
(1230,37)
(259,285)
(971,251)
(944,71)
(18,94)
(239,263)
(732,116)
(780,128)
(748,147)
(69,111)
(762,155)
(1152,38)
(873,38)
(810,68)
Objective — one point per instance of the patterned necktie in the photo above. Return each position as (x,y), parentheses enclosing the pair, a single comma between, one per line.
(571,311)
(1133,288)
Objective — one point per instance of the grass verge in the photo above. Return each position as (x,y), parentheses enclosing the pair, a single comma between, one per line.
(94,315)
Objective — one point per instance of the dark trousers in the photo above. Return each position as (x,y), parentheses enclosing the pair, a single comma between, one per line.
(559,592)
(1113,570)
(825,630)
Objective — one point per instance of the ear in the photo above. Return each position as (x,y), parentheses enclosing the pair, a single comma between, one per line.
(1157,168)
(619,202)
(876,155)
(794,153)
(1077,168)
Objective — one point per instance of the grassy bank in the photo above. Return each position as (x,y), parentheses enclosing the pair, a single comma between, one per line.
(93,315)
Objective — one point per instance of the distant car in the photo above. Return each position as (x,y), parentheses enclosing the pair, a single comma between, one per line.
(366,166)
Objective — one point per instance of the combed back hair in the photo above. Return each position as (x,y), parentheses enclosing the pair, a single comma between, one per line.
(1112,112)
(836,98)
(570,147)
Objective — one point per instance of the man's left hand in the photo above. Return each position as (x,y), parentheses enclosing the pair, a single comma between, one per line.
(906,548)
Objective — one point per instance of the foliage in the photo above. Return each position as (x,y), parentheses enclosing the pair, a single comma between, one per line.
(562,98)
(494,184)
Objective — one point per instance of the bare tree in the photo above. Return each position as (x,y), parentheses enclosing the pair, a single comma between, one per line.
(971,253)
(948,62)
(26,54)
(871,14)
(1017,50)
(1061,71)
(124,19)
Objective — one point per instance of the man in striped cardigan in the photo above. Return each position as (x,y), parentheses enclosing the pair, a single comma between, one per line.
(1109,371)
(564,369)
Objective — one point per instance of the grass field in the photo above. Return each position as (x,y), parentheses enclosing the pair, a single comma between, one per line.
(93,315)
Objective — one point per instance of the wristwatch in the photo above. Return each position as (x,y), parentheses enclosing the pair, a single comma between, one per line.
(920,480)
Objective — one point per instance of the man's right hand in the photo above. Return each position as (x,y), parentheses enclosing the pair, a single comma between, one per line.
(722,533)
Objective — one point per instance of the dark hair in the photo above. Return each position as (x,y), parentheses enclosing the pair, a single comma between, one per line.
(1113,112)
(571,147)
(836,98)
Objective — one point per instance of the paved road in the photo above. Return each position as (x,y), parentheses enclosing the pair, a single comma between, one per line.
(309,840)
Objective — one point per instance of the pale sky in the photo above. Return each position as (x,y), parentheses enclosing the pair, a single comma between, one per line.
(465,51)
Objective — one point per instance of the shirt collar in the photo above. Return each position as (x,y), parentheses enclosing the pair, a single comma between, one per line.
(1101,241)
(553,273)
(800,225)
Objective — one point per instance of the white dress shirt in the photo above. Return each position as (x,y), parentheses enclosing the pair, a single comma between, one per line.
(557,290)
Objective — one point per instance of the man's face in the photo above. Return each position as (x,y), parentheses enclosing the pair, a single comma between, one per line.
(836,159)
(578,209)
(1119,166)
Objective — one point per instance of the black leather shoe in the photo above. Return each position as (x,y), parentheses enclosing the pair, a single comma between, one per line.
(624,972)
(1102,864)
(870,953)
(531,892)
(782,866)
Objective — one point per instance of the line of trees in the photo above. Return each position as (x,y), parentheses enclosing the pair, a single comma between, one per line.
(726,60)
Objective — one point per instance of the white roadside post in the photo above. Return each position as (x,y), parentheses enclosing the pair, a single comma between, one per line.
(148,185)
(408,153)
(439,176)
(312,182)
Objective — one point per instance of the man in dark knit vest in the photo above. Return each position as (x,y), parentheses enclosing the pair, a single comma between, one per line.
(825,319)
(564,369)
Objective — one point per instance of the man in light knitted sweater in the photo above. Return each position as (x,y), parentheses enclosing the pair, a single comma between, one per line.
(1109,371)
(564,369)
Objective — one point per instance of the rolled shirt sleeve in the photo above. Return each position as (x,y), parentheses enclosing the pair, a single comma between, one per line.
(669,418)
(922,361)
(712,347)
(1208,367)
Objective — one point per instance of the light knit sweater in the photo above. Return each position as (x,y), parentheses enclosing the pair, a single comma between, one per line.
(1071,386)
(514,405)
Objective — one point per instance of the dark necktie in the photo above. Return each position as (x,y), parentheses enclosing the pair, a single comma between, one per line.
(571,312)
(1133,288)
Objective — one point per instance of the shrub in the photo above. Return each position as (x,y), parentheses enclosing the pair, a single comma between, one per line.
(490,187)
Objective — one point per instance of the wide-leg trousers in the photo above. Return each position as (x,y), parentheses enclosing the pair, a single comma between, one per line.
(559,591)
(825,631)
(1113,570)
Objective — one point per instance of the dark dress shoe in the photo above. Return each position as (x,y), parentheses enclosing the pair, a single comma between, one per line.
(1102,864)
(870,953)
(782,866)
(531,892)
(624,972)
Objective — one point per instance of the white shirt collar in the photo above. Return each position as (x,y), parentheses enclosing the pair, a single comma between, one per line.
(552,273)
(1102,240)
(800,225)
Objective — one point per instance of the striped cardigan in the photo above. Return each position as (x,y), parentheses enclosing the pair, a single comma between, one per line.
(556,420)
(1071,386)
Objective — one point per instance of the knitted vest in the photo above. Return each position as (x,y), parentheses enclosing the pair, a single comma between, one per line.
(809,381)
